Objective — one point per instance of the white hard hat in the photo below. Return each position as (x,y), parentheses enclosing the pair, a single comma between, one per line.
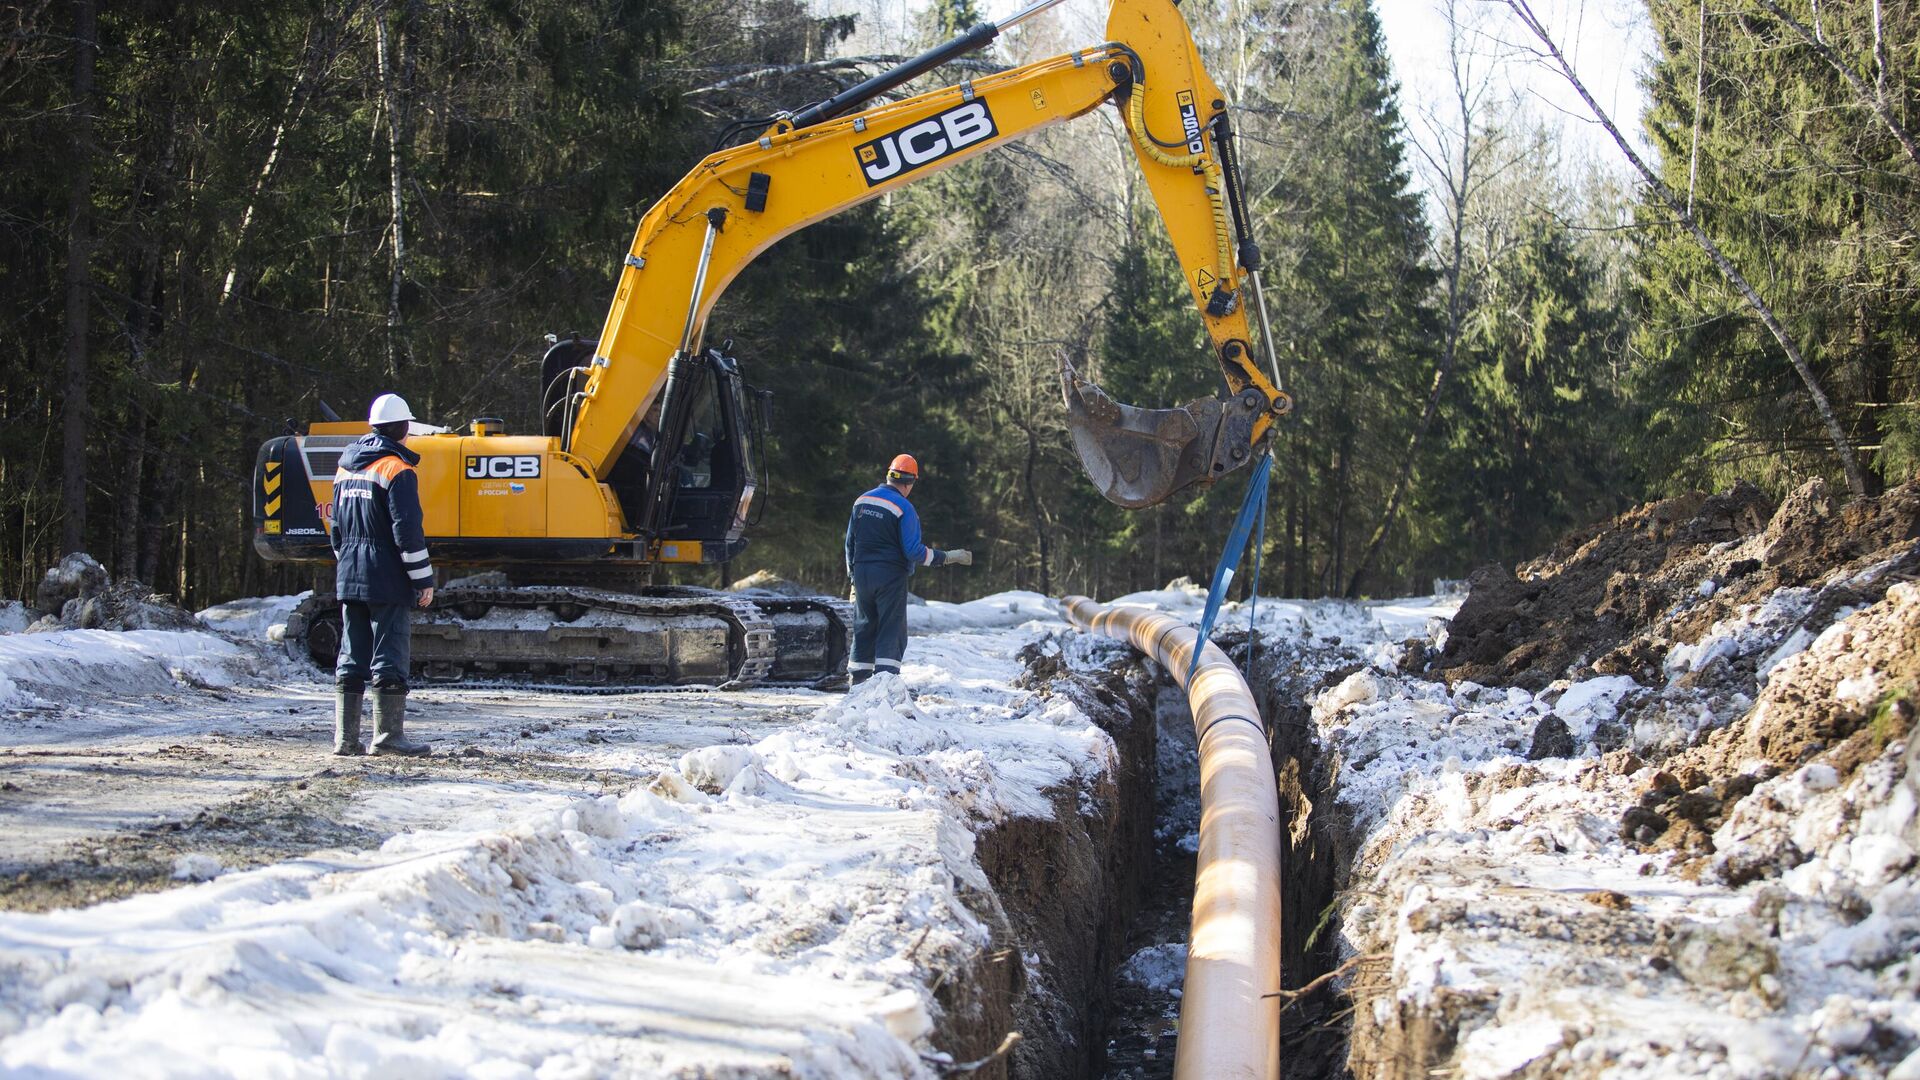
(388,409)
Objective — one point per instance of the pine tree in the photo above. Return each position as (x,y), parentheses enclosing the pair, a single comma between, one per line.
(1351,293)
(1792,174)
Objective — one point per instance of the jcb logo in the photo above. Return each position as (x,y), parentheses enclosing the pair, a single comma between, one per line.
(1190,122)
(929,140)
(517,467)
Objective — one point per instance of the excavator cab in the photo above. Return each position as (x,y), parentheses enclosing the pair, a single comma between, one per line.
(693,465)
(711,474)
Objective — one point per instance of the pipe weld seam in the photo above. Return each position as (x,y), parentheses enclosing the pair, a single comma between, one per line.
(1254,720)
(1160,640)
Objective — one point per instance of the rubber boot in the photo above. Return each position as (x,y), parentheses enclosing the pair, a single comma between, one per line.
(390,726)
(858,677)
(346,722)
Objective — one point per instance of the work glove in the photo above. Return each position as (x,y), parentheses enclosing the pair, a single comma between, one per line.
(959,557)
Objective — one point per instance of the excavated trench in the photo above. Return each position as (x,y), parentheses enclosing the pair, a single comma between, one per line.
(1316,852)
(1091,906)
(1678,579)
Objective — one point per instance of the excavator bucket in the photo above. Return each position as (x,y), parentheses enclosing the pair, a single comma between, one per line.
(1141,457)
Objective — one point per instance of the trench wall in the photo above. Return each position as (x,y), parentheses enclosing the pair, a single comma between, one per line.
(1064,890)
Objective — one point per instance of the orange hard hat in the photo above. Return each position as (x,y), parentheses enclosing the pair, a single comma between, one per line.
(904,465)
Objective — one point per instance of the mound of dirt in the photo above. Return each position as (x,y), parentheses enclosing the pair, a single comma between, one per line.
(1826,712)
(1615,598)
(78,594)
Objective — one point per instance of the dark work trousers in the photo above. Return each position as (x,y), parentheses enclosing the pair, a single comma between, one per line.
(880,619)
(376,634)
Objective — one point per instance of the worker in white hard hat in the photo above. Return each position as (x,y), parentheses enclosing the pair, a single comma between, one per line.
(381,571)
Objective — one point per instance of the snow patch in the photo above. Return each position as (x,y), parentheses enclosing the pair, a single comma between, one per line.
(1007,609)
(1158,968)
(63,663)
(255,618)
(789,919)
(14,617)
(195,866)
(1587,703)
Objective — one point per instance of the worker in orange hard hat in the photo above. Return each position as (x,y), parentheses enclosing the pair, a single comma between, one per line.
(883,549)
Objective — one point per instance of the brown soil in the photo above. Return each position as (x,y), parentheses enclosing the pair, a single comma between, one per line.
(1801,716)
(1318,847)
(259,828)
(1066,888)
(1805,714)
(1614,599)
(1611,599)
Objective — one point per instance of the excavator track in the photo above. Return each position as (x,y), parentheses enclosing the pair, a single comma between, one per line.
(574,635)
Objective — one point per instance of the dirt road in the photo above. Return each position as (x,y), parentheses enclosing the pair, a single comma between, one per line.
(102,797)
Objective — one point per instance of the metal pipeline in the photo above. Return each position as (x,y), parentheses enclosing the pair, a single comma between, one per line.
(1227,1028)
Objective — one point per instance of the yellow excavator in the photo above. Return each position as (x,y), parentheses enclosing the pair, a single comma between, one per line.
(651,452)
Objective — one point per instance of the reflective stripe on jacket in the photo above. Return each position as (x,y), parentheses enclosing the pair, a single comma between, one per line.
(883,530)
(379,546)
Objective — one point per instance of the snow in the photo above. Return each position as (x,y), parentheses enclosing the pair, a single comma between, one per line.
(1157,967)
(785,903)
(258,618)
(1770,628)
(63,664)
(785,895)
(1007,609)
(14,617)
(1378,623)
(1585,704)
(1501,896)
(196,866)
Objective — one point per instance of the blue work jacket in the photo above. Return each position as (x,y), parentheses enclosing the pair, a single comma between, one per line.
(379,546)
(883,530)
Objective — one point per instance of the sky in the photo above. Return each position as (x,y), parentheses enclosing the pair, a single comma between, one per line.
(1607,40)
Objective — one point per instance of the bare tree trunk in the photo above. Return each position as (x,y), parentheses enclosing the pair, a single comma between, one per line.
(1292,575)
(397,221)
(1875,98)
(1159,541)
(79,283)
(289,116)
(1034,508)
(1842,445)
(1699,95)
(143,324)
(126,538)
(1344,474)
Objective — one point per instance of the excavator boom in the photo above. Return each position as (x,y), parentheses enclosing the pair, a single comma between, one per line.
(822,160)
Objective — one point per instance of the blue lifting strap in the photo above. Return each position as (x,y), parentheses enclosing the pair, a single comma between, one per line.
(1253,510)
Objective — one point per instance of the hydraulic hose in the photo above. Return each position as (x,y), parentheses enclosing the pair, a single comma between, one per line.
(1136,114)
(1228,1029)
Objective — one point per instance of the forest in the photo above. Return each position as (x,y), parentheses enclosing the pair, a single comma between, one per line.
(218,217)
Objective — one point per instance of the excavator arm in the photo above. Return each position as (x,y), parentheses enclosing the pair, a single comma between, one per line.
(824,159)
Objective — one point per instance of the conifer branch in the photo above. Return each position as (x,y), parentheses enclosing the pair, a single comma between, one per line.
(1842,445)
(1874,99)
